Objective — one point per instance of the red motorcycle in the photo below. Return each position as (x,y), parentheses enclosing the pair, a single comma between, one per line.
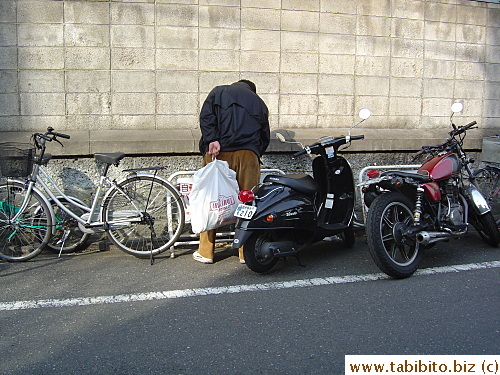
(410,212)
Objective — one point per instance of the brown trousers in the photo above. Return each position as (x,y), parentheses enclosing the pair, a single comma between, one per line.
(247,167)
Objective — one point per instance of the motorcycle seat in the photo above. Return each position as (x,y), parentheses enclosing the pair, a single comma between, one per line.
(415,176)
(300,182)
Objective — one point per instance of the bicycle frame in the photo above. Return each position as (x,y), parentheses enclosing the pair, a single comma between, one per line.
(95,209)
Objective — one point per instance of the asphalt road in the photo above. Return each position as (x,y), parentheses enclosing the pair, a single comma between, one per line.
(106,312)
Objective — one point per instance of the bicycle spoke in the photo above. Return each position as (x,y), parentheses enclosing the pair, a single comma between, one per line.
(162,218)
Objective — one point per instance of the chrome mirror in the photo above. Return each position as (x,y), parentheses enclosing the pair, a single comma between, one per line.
(457,107)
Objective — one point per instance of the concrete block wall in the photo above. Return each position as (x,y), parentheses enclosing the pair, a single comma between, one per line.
(132,74)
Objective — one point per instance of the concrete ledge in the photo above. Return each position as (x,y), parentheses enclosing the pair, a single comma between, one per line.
(145,141)
(185,141)
(78,145)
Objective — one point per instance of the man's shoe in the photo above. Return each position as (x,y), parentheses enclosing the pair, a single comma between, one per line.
(242,261)
(199,258)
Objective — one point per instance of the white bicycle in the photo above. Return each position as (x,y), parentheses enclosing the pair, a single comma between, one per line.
(142,213)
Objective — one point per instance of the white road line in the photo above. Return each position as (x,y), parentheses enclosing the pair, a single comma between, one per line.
(171,294)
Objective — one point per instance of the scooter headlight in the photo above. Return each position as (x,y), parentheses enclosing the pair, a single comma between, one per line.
(246,196)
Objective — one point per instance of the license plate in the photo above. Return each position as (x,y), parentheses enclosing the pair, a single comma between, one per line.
(244,211)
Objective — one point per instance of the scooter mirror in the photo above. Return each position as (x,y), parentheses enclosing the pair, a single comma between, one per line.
(364,113)
(457,107)
(280,137)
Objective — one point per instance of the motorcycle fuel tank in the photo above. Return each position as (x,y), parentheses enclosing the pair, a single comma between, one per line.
(441,167)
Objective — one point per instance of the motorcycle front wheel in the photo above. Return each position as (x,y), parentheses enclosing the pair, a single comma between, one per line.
(255,258)
(389,216)
(486,227)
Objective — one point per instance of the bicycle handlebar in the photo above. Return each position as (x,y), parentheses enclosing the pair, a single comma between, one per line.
(49,136)
(60,135)
(50,131)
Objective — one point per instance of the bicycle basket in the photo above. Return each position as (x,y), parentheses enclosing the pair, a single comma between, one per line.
(16,159)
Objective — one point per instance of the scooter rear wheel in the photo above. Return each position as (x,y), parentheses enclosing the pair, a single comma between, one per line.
(255,258)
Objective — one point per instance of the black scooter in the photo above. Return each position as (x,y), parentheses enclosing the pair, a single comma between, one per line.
(289,212)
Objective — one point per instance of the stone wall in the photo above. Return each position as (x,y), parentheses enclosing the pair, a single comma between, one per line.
(131,75)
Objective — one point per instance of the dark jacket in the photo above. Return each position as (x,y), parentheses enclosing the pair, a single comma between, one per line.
(236,117)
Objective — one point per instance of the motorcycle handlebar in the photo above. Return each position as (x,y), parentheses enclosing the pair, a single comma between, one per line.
(450,141)
(462,129)
(469,125)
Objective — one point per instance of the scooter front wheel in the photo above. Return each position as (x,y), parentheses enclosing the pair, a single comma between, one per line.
(348,236)
(256,257)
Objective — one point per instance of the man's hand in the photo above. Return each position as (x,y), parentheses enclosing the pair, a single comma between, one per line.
(214,149)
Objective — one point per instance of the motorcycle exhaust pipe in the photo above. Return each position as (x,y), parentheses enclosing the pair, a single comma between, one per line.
(426,238)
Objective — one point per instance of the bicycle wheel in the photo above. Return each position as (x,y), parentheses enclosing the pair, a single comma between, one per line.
(27,236)
(488,182)
(147,218)
(67,234)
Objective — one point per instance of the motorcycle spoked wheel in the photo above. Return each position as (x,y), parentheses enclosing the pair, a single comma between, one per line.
(389,215)
(486,227)
(252,252)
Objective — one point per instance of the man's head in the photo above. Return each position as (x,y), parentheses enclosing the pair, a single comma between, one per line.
(250,84)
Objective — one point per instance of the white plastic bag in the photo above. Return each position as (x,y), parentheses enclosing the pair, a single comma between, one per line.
(214,196)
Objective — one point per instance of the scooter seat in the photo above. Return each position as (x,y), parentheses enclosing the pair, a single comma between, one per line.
(300,182)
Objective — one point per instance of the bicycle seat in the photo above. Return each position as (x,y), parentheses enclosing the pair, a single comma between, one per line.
(300,182)
(109,158)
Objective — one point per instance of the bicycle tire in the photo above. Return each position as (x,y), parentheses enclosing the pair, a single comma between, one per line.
(164,213)
(66,226)
(28,236)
